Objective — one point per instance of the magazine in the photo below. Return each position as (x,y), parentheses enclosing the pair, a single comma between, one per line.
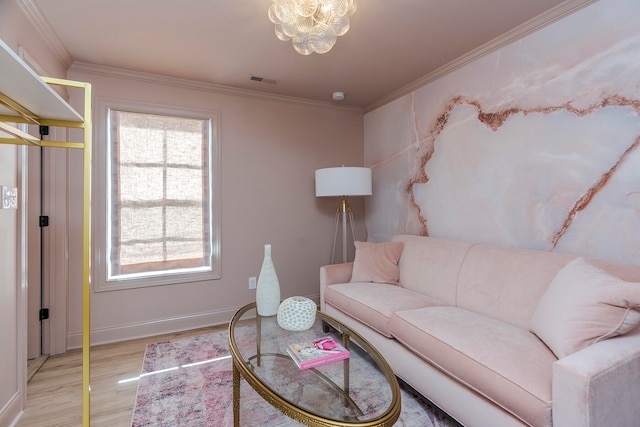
(318,352)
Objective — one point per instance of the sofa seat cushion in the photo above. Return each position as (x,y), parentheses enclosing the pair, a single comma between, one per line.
(374,303)
(508,365)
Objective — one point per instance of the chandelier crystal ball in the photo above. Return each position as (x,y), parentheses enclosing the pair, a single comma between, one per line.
(311,25)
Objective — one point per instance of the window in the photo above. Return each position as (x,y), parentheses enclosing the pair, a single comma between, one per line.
(160,214)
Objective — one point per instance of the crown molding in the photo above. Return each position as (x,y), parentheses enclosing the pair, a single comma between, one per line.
(552,15)
(33,13)
(200,86)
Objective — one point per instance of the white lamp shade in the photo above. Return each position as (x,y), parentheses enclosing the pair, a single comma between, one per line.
(343,181)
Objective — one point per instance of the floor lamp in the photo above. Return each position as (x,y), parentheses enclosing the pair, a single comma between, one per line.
(343,182)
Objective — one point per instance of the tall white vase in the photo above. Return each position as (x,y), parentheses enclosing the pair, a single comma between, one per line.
(268,288)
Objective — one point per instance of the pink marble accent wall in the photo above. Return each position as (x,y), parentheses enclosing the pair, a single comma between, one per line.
(536,145)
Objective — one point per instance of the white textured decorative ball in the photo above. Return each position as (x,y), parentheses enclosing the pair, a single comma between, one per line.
(296,313)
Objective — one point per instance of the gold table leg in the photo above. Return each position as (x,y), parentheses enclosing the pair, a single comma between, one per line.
(236,396)
(258,336)
(345,370)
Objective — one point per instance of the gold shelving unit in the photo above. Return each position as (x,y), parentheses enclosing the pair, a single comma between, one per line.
(27,98)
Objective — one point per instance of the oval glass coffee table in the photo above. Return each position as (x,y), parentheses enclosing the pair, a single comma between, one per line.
(359,391)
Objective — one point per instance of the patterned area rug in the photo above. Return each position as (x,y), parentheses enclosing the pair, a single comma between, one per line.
(188,383)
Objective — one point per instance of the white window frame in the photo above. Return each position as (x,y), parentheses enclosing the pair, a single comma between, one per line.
(100,203)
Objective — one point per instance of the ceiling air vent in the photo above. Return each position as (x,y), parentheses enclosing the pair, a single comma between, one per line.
(263,80)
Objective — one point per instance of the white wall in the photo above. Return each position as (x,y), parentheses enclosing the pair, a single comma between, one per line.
(534,145)
(269,150)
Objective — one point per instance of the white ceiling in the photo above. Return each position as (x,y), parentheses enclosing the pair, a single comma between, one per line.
(391,45)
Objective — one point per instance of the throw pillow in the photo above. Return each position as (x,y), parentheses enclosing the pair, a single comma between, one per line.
(377,262)
(584,305)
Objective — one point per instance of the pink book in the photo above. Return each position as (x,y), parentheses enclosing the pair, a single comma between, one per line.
(318,352)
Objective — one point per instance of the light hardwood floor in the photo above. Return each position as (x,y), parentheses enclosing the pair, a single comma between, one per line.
(54,393)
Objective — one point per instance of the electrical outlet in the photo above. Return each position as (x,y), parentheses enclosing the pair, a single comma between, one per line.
(9,197)
(252,282)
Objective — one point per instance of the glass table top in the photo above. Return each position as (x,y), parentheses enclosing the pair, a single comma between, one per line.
(359,391)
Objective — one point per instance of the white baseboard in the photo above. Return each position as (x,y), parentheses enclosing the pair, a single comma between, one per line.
(11,412)
(151,328)
(157,327)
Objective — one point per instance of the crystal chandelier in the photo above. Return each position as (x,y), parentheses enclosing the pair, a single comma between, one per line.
(312,25)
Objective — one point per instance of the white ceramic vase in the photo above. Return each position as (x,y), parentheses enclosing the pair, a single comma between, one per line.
(268,288)
(297,314)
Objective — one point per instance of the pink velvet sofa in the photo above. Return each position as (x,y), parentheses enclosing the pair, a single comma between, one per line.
(501,337)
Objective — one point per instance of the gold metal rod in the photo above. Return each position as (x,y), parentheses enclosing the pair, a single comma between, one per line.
(67,83)
(11,130)
(86,260)
(42,143)
(62,123)
(15,119)
(11,141)
(22,112)
(62,144)
(43,122)
(17,141)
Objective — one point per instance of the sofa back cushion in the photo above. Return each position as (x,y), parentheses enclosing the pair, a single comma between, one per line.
(506,283)
(431,265)
(499,282)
